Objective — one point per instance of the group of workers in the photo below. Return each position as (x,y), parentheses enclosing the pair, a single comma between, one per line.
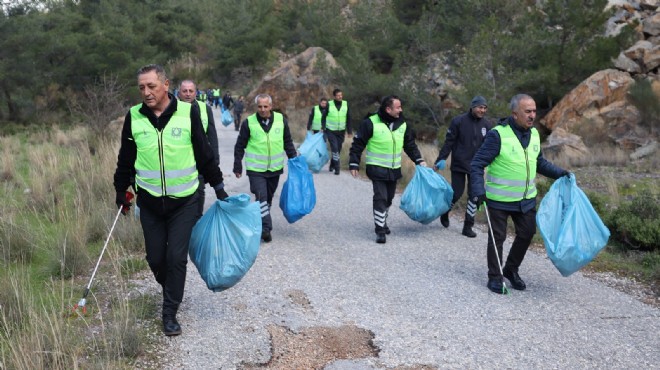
(169,150)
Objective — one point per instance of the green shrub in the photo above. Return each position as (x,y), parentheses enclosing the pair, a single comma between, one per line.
(636,223)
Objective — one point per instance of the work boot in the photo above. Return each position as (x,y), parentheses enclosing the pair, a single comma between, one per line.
(171,327)
(467,231)
(516,282)
(386,229)
(444,219)
(266,237)
(495,286)
(381,238)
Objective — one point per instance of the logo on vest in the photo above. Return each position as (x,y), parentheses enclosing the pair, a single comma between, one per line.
(277,131)
(536,148)
(483,131)
(176,132)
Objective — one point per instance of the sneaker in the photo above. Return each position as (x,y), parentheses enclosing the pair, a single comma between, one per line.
(380,238)
(171,327)
(467,231)
(516,282)
(444,219)
(495,286)
(266,237)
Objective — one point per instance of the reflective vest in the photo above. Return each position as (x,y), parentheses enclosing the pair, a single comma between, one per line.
(316,121)
(204,116)
(165,163)
(336,119)
(511,175)
(265,151)
(216,93)
(384,147)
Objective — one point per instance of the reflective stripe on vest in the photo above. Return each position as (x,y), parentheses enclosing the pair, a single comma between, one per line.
(165,163)
(203,115)
(511,175)
(265,151)
(384,147)
(336,119)
(316,121)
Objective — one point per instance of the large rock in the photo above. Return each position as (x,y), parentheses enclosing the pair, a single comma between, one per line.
(564,146)
(651,25)
(298,84)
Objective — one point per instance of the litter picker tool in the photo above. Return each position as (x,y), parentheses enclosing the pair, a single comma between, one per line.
(499,264)
(83,300)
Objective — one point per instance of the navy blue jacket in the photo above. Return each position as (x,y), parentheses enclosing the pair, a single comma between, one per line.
(464,137)
(491,149)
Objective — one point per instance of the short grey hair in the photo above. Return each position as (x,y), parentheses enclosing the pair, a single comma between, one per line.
(515,101)
(160,71)
(263,96)
(188,81)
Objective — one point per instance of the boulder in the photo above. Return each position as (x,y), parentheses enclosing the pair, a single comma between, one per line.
(651,25)
(565,146)
(645,150)
(649,4)
(626,64)
(298,84)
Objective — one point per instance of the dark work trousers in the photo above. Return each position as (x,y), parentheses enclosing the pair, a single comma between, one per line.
(166,238)
(336,140)
(237,120)
(263,189)
(202,197)
(383,195)
(458,180)
(525,227)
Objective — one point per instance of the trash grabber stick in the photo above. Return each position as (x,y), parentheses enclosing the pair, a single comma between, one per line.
(497,254)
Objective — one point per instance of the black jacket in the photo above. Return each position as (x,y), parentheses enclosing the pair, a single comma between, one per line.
(464,136)
(491,149)
(244,137)
(204,156)
(365,132)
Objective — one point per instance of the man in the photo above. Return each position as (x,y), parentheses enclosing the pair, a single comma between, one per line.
(465,134)
(187,91)
(512,153)
(264,139)
(316,116)
(238,111)
(227,101)
(163,146)
(336,123)
(384,135)
(216,97)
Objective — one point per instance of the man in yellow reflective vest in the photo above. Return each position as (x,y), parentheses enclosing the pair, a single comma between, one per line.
(314,122)
(187,91)
(265,141)
(163,146)
(384,134)
(512,153)
(336,123)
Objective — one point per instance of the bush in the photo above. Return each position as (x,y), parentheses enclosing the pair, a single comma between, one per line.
(636,223)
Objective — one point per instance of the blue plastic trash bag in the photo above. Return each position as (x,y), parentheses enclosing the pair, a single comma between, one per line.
(315,151)
(571,229)
(427,196)
(298,196)
(227,119)
(225,241)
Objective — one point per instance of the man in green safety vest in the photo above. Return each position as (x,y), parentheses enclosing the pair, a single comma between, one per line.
(216,97)
(384,134)
(163,146)
(187,91)
(336,123)
(512,153)
(265,141)
(314,122)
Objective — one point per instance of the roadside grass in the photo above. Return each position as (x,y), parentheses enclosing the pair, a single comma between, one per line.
(54,218)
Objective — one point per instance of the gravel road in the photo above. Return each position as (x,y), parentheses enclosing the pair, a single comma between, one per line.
(324,295)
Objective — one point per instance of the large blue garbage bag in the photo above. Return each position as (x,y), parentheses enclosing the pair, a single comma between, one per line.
(315,151)
(227,118)
(427,196)
(225,241)
(298,196)
(571,229)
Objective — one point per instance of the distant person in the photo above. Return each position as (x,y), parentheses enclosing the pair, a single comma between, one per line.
(227,101)
(216,97)
(464,137)
(512,153)
(336,123)
(265,141)
(163,145)
(314,122)
(187,90)
(239,105)
(384,135)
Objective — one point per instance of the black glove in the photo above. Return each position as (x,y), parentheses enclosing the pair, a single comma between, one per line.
(479,200)
(221,194)
(122,202)
(565,173)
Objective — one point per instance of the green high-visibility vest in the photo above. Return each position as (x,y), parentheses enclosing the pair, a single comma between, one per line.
(510,177)
(165,163)
(316,120)
(336,119)
(203,115)
(265,151)
(216,93)
(384,147)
